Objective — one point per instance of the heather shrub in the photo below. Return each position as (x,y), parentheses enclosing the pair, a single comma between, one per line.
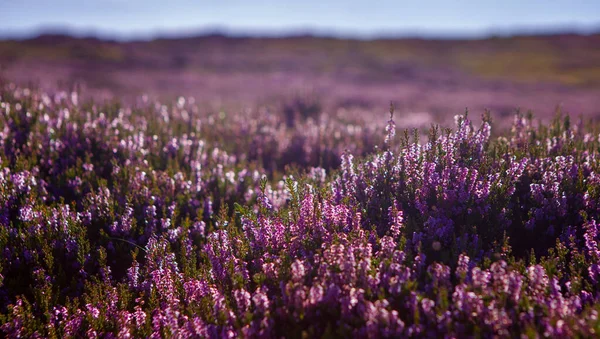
(156,220)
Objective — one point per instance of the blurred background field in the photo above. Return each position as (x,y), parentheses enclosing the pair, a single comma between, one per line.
(429,80)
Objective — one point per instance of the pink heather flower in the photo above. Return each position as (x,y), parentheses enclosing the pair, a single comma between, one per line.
(261,300)
(91,334)
(390,130)
(198,227)
(463,266)
(93,311)
(538,279)
(396,219)
(298,271)
(242,300)
(315,294)
(388,245)
(133,274)
(139,316)
(27,213)
(428,305)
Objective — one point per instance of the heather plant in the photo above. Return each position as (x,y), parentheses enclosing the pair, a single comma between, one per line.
(156,220)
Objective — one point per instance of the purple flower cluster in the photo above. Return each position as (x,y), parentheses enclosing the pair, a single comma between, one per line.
(160,221)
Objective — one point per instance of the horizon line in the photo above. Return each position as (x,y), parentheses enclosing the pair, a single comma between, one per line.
(317,32)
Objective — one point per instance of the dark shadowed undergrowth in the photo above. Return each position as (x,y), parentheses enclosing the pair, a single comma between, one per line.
(160,220)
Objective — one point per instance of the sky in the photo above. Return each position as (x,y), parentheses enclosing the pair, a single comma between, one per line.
(131,19)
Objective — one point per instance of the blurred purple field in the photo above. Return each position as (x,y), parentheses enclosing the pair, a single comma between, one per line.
(428,80)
